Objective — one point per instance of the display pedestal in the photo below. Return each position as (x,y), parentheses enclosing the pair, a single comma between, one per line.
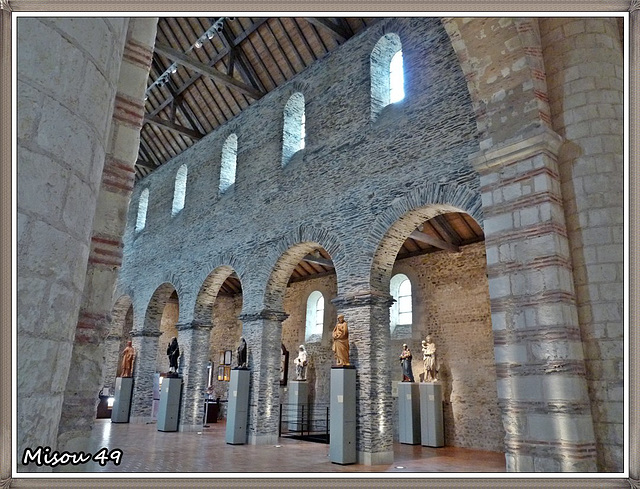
(122,401)
(298,405)
(409,410)
(431,414)
(342,424)
(169,406)
(238,407)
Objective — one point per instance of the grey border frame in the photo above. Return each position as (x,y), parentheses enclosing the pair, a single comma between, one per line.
(9,6)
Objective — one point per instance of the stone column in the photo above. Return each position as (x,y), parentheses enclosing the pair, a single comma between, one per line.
(112,360)
(540,367)
(105,253)
(146,346)
(367,315)
(65,102)
(194,348)
(263,334)
(584,65)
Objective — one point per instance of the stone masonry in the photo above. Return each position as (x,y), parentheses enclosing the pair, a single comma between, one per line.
(514,121)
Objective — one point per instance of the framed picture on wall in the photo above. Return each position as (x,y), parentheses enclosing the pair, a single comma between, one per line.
(227,357)
(221,372)
(227,374)
(221,360)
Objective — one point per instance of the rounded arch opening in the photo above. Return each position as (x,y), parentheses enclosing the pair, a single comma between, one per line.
(440,250)
(219,305)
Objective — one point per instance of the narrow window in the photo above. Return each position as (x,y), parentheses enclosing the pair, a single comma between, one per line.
(141,219)
(228,163)
(396,78)
(293,130)
(179,190)
(387,73)
(315,317)
(401,312)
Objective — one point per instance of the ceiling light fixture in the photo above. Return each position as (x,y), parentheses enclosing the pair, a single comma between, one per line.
(216,27)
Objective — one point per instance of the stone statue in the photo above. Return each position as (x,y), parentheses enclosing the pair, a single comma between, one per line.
(405,361)
(242,354)
(301,364)
(128,356)
(430,360)
(341,342)
(173,352)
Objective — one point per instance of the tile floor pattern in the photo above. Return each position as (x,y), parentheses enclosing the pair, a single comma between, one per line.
(145,449)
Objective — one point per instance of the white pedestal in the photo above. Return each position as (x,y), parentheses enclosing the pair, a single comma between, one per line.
(342,424)
(238,407)
(409,411)
(122,402)
(431,416)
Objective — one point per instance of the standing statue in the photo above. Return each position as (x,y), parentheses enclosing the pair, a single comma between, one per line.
(128,356)
(242,354)
(430,360)
(301,364)
(341,342)
(405,361)
(173,352)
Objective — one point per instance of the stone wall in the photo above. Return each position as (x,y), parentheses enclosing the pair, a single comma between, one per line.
(169,329)
(225,335)
(66,97)
(358,189)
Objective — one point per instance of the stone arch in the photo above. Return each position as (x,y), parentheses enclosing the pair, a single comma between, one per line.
(155,307)
(505,74)
(287,252)
(119,333)
(208,292)
(393,226)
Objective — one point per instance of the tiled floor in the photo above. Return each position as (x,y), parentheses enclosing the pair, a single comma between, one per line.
(145,449)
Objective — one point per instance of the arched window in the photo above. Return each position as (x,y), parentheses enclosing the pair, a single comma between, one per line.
(228,163)
(396,78)
(141,219)
(315,317)
(293,130)
(401,313)
(179,190)
(387,73)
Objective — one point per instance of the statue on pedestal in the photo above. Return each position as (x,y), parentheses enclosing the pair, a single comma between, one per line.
(242,354)
(405,361)
(430,360)
(128,356)
(173,352)
(341,342)
(301,364)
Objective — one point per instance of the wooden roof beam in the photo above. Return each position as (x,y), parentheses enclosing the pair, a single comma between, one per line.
(318,260)
(430,240)
(337,30)
(206,70)
(171,126)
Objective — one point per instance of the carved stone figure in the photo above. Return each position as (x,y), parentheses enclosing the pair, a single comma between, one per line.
(405,361)
(430,360)
(173,352)
(128,356)
(341,342)
(301,363)
(242,353)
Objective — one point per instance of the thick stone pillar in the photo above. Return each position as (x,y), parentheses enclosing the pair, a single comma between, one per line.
(367,315)
(194,347)
(65,101)
(105,253)
(146,346)
(584,66)
(540,367)
(263,334)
